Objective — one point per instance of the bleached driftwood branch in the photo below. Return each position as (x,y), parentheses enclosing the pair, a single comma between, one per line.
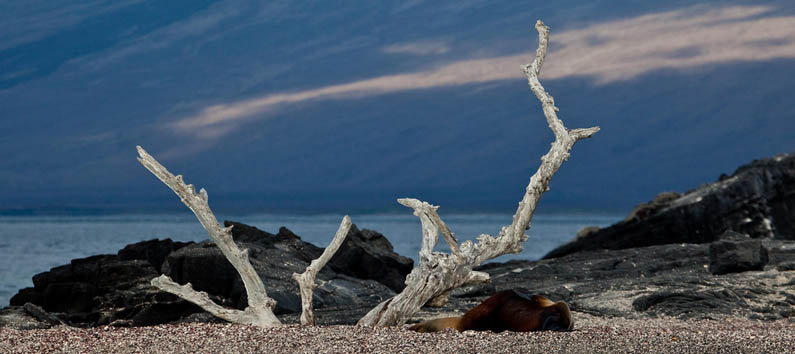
(438,273)
(203,300)
(260,307)
(306,280)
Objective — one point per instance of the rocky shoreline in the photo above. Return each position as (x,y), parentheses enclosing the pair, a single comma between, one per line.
(757,200)
(115,289)
(725,251)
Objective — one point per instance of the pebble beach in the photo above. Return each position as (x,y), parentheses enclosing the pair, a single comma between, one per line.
(591,335)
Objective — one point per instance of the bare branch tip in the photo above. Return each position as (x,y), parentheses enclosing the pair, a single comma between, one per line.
(142,154)
(584,133)
(408,202)
(157,280)
(540,26)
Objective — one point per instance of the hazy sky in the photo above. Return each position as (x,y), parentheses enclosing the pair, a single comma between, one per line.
(289,106)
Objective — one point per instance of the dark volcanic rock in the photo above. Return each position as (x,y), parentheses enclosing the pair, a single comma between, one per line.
(153,251)
(205,267)
(737,253)
(41,315)
(785,267)
(105,289)
(684,303)
(758,200)
(276,258)
(365,254)
(115,289)
(671,280)
(678,255)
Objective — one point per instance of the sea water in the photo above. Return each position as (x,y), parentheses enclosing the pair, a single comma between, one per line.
(33,244)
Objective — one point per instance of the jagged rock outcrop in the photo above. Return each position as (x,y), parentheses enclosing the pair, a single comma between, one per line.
(105,289)
(672,280)
(152,251)
(758,200)
(365,254)
(115,289)
(275,258)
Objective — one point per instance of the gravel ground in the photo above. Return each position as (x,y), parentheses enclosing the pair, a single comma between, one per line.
(591,335)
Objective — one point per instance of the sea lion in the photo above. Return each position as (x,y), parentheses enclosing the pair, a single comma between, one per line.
(508,310)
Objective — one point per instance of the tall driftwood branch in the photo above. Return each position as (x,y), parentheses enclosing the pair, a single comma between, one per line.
(260,307)
(306,280)
(438,273)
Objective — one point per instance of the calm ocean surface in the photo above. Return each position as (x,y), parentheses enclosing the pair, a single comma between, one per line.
(33,244)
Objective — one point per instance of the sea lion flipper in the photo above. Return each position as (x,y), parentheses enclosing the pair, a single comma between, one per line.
(437,325)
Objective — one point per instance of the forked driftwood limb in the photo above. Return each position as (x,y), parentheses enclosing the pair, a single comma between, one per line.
(260,307)
(438,273)
(306,280)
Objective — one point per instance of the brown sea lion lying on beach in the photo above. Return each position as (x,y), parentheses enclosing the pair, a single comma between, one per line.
(508,310)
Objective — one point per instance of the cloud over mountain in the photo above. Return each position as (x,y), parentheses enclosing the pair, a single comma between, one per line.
(325,105)
(606,52)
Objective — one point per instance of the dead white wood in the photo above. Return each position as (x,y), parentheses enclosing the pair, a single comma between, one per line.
(475,277)
(306,280)
(438,273)
(260,307)
(203,300)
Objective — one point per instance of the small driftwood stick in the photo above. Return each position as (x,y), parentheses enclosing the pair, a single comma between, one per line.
(306,280)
